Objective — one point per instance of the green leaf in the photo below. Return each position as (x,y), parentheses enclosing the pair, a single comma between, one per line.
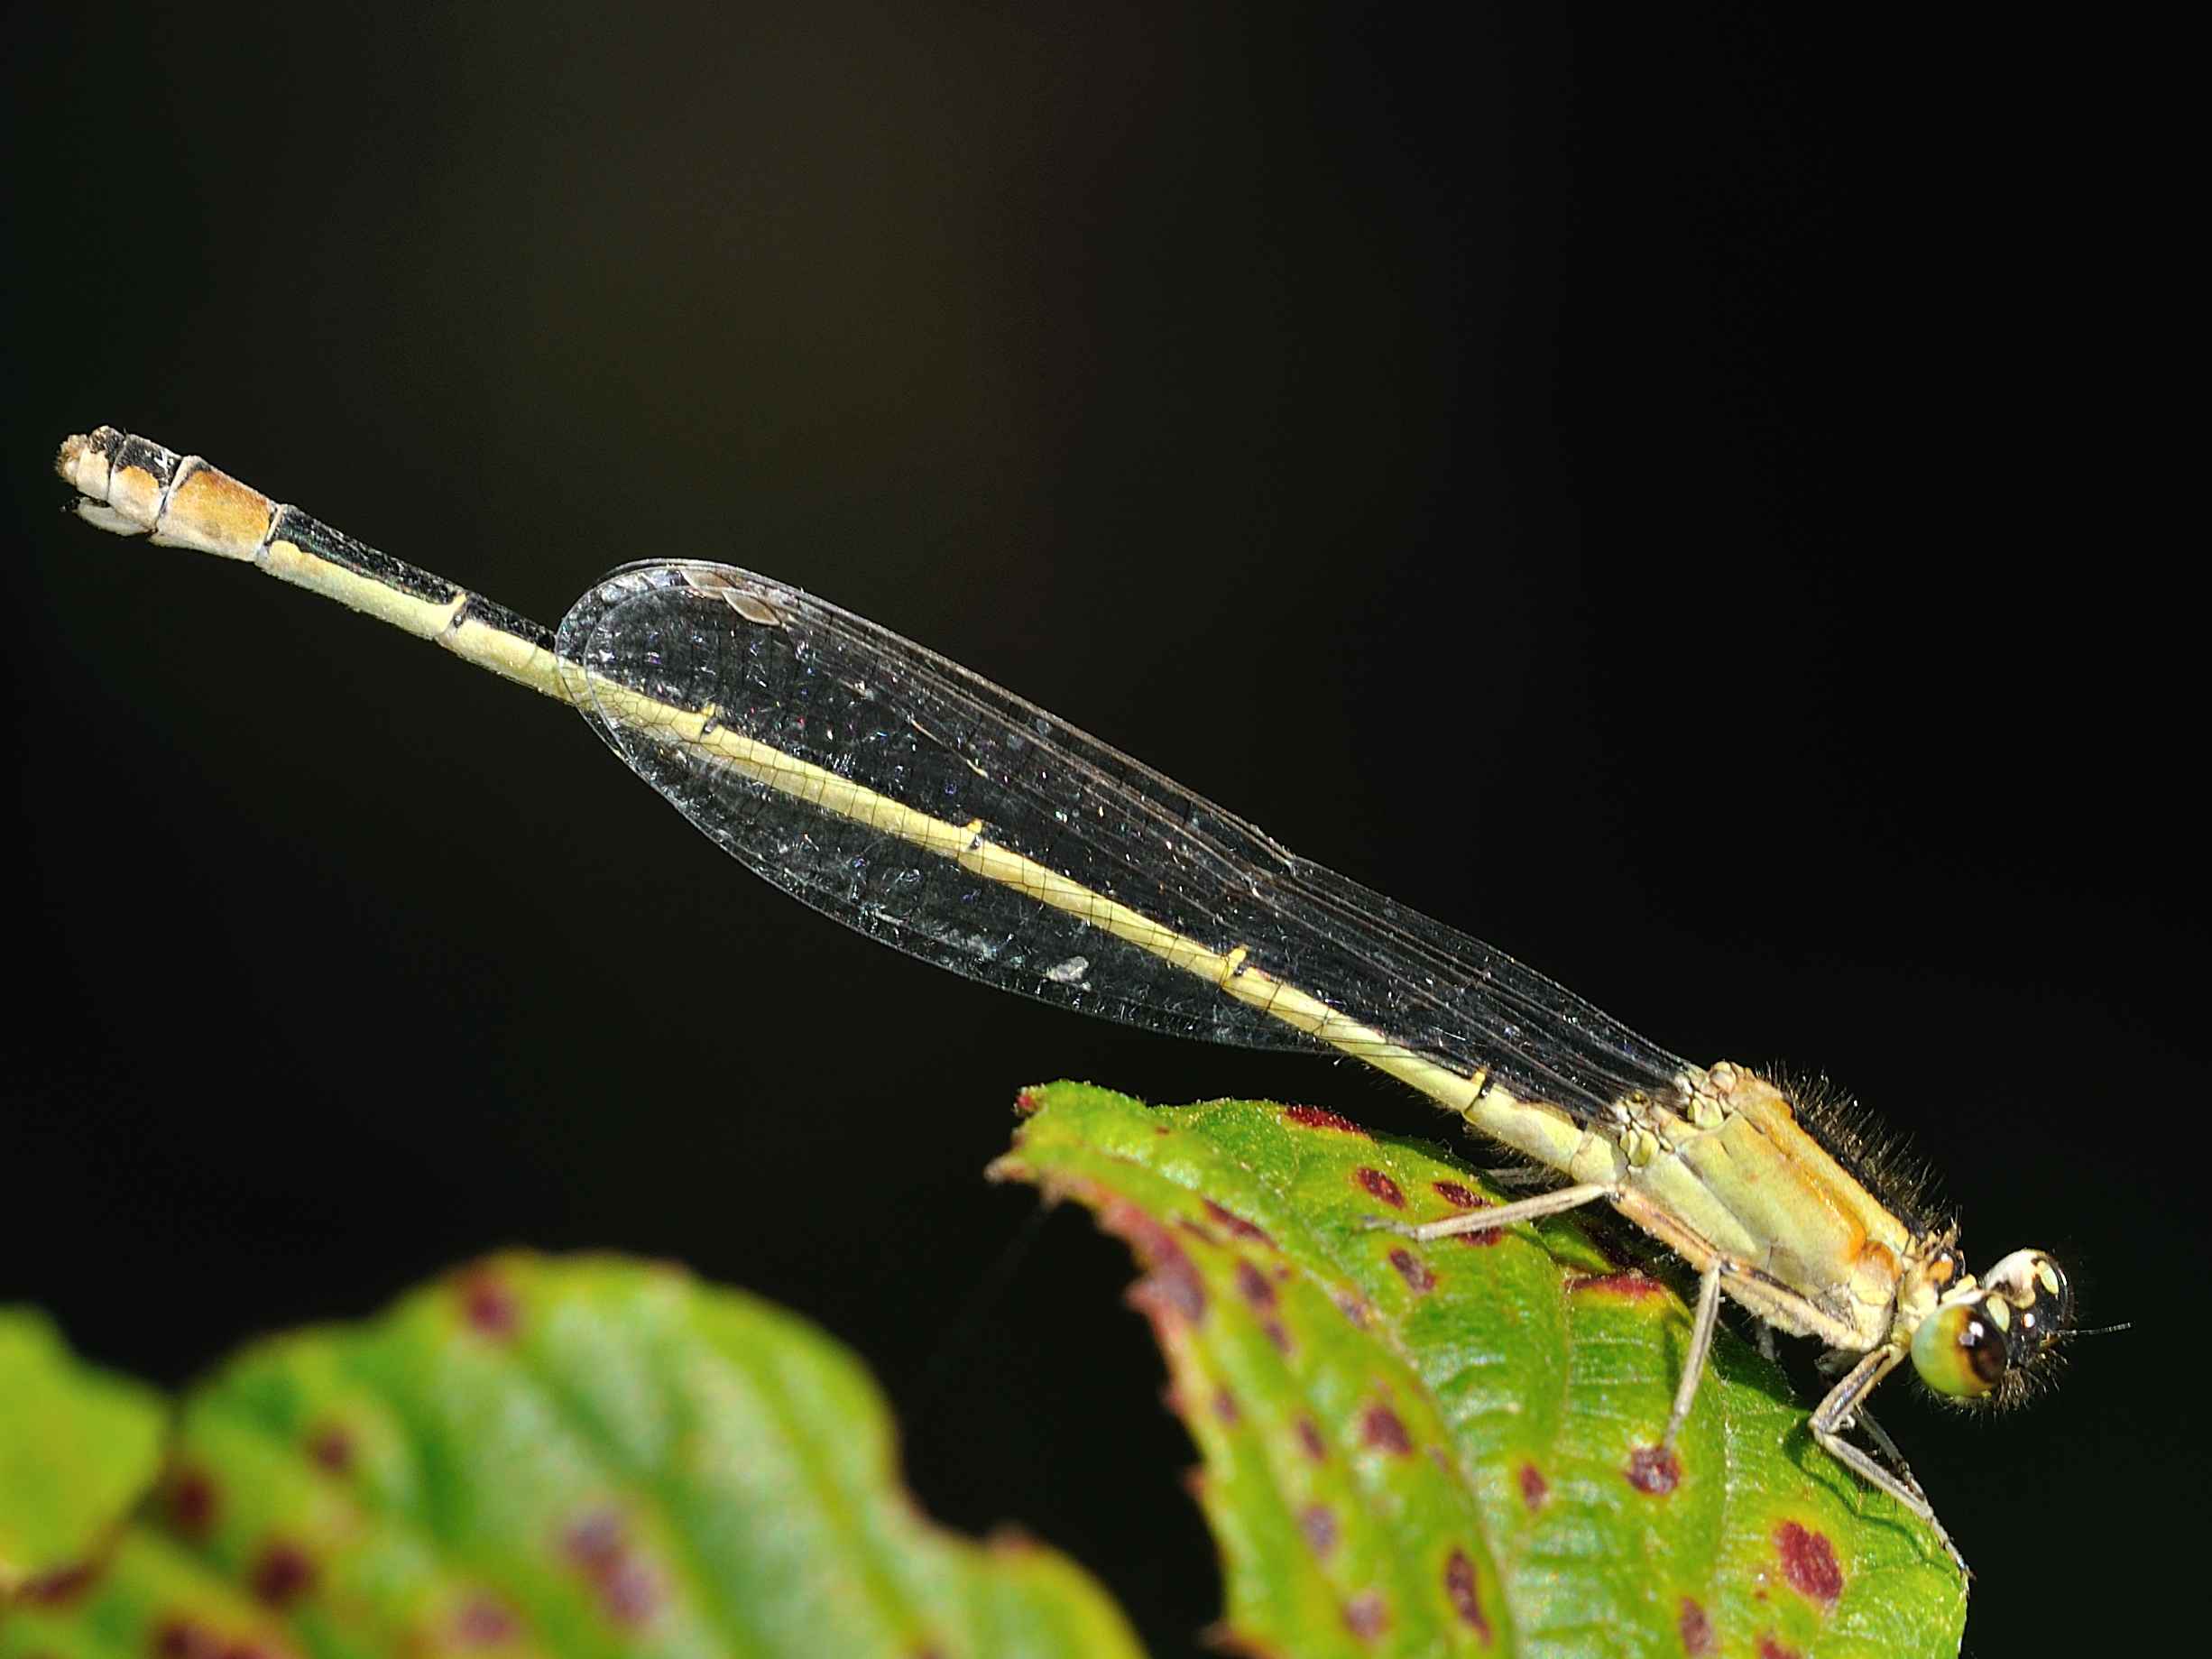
(1451,1448)
(76,1449)
(590,1456)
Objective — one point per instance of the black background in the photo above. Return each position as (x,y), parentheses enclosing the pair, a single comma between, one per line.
(1685,499)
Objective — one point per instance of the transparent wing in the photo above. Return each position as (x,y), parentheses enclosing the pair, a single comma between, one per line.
(668,659)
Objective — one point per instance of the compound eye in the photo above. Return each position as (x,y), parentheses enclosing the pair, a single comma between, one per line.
(1959,1350)
(2042,1302)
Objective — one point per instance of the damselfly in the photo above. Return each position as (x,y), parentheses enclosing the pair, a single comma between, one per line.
(929,808)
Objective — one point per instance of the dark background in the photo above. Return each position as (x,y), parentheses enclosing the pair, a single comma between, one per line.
(1684,499)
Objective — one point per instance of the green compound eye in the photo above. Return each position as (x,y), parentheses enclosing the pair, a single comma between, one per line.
(1959,1350)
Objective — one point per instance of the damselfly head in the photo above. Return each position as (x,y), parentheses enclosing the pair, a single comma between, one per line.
(1982,1341)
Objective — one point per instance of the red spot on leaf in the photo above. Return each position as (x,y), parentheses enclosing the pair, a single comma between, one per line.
(1309,1438)
(629,1590)
(1225,1405)
(1809,1563)
(1655,1470)
(1272,1329)
(1367,1615)
(1237,1226)
(1253,1287)
(1769,1648)
(1171,1285)
(1460,1590)
(284,1573)
(488,1305)
(484,1622)
(1315,1118)
(1696,1628)
(1458,1196)
(1379,1186)
(630,1593)
(1318,1522)
(1483,1239)
(1535,1487)
(178,1638)
(594,1538)
(1026,1103)
(1354,1310)
(61,1587)
(1413,1270)
(194,1503)
(1383,1429)
(332,1449)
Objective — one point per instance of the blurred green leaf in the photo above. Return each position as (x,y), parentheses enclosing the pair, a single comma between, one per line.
(588,1456)
(1451,1448)
(76,1449)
